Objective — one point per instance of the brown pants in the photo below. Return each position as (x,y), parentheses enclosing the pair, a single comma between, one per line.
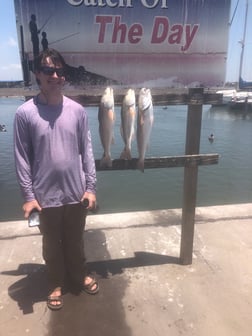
(62,229)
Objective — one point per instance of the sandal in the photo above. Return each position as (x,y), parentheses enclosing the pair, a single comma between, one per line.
(88,288)
(52,299)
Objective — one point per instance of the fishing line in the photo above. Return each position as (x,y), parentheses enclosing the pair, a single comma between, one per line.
(237,3)
(64,38)
(46,21)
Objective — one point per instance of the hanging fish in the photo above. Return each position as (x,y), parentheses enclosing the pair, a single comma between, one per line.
(106,117)
(128,114)
(145,120)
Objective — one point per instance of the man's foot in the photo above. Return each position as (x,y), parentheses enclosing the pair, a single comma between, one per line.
(55,300)
(90,285)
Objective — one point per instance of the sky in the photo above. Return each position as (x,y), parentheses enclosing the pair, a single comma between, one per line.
(10,68)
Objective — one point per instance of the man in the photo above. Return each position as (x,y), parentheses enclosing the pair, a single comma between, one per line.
(44,41)
(56,172)
(34,35)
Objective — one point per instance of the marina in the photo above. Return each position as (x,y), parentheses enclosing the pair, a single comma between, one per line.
(240,96)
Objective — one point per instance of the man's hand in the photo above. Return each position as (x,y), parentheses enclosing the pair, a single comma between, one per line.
(29,206)
(91,200)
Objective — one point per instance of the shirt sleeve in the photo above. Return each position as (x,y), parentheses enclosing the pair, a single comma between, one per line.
(23,155)
(88,161)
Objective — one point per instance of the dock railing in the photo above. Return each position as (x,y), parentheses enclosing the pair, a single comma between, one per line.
(194,98)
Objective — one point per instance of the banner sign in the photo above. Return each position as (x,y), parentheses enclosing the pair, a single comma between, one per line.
(157,43)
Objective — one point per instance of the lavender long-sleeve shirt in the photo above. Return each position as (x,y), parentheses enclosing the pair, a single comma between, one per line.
(53,153)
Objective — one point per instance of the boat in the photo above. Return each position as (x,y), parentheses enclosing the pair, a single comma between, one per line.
(3,128)
(241,100)
(243,96)
(227,96)
(244,84)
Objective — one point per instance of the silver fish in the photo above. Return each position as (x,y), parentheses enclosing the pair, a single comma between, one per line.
(145,120)
(128,114)
(106,117)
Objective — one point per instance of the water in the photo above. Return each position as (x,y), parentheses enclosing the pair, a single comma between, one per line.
(228,182)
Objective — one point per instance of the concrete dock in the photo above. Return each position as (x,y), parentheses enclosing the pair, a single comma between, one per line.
(143,288)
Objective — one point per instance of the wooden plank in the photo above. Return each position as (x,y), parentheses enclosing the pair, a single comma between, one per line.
(92,96)
(194,118)
(188,215)
(163,162)
(160,98)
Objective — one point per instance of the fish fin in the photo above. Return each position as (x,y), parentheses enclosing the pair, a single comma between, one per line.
(106,161)
(132,111)
(126,154)
(140,165)
(141,120)
(133,136)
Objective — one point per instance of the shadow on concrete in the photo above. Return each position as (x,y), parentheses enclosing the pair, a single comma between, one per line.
(30,289)
(85,314)
(93,315)
(141,259)
(19,236)
(203,219)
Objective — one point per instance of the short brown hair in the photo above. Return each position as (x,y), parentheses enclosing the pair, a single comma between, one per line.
(54,55)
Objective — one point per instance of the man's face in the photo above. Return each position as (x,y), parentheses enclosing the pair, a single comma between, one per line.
(51,77)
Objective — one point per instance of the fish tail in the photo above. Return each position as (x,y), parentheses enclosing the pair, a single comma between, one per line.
(126,154)
(106,161)
(140,165)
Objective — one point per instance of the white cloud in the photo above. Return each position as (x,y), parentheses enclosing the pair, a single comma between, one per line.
(11,72)
(11,67)
(12,42)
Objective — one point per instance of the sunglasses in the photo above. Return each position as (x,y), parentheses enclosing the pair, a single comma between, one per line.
(49,71)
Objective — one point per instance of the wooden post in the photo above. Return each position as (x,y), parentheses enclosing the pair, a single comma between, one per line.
(194,117)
